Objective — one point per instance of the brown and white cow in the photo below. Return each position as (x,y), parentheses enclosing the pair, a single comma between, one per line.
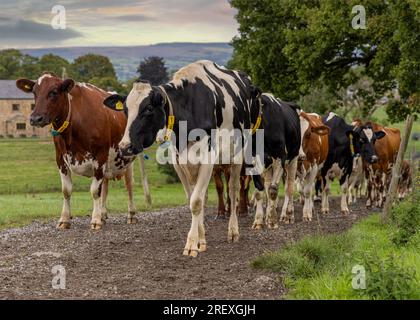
(378,174)
(406,180)
(312,155)
(86,136)
(223,209)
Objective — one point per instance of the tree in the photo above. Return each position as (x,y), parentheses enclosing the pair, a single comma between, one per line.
(54,64)
(107,83)
(153,70)
(92,66)
(288,46)
(14,64)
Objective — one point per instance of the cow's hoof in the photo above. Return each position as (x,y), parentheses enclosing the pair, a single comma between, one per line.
(273,225)
(202,247)
(257,226)
(307,219)
(63,226)
(233,237)
(132,220)
(325,211)
(190,253)
(96,226)
(345,212)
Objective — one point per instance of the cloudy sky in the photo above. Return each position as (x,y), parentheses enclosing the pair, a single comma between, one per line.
(27,23)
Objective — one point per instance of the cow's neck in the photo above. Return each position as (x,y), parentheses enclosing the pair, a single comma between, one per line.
(175,99)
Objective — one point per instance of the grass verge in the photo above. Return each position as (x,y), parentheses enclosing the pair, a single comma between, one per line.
(321,267)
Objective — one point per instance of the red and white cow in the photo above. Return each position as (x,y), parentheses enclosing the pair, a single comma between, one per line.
(312,155)
(86,136)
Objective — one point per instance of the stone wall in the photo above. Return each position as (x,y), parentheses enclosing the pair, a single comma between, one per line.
(15,122)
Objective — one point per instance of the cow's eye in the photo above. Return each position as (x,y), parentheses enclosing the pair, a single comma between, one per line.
(53,93)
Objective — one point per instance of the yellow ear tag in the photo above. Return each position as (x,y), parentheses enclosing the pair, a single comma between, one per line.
(119,106)
(28,87)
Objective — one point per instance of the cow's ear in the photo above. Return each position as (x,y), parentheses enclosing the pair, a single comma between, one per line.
(256,92)
(379,135)
(67,85)
(115,102)
(25,85)
(157,99)
(321,130)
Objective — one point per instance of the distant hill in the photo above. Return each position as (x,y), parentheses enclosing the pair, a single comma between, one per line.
(127,59)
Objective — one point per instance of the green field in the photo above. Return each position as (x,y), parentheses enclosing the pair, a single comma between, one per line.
(30,187)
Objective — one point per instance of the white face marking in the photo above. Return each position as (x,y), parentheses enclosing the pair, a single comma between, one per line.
(369,134)
(139,92)
(331,116)
(304,125)
(43,77)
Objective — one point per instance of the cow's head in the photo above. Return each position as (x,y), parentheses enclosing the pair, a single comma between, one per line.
(311,132)
(51,98)
(145,110)
(364,138)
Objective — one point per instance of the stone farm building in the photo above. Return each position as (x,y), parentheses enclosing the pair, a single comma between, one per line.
(15,109)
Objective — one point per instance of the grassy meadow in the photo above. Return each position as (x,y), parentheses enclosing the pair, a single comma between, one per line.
(30,186)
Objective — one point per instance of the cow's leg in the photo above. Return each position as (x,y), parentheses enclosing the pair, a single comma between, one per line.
(382,189)
(344,195)
(288,214)
(369,191)
(308,193)
(66,188)
(184,180)
(221,212)
(272,182)
(228,201)
(258,198)
(95,191)
(234,181)
(325,193)
(129,183)
(197,209)
(243,197)
(104,196)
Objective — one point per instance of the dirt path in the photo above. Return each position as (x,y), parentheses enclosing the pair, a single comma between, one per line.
(145,261)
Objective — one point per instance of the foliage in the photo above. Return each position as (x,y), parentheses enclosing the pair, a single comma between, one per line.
(387,279)
(308,257)
(320,266)
(291,46)
(91,66)
(406,217)
(153,70)
(14,64)
(169,171)
(54,64)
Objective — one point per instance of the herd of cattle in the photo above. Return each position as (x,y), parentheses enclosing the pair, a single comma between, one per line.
(98,134)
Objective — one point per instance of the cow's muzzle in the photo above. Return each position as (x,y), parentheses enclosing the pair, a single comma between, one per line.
(130,151)
(38,120)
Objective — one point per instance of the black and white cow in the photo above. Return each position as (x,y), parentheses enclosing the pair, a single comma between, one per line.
(282,141)
(206,97)
(345,143)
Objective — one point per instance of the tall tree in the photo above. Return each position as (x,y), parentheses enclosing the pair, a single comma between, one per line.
(53,63)
(153,70)
(14,64)
(290,45)
(92,66)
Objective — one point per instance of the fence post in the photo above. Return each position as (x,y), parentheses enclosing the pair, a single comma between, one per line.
(396,170)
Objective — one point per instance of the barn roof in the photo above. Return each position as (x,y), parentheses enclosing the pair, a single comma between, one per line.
(8,91)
